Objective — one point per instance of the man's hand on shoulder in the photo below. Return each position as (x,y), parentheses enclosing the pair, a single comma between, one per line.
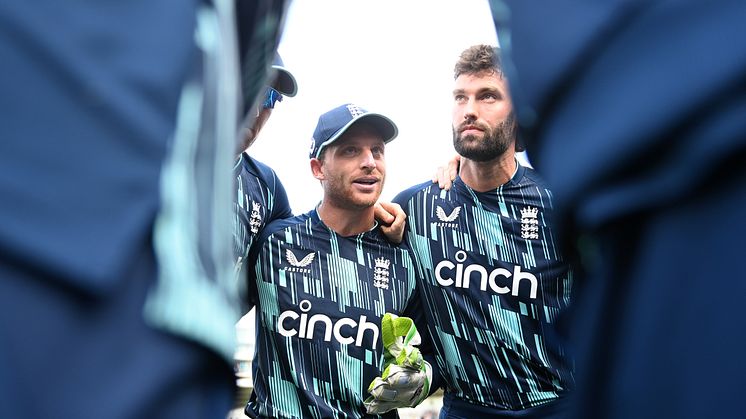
(392,219)
(445,175)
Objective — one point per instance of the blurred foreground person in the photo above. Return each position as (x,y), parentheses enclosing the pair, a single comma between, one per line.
(117,298)
(635,112)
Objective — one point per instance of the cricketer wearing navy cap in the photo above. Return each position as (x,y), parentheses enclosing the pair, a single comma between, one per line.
(335,122)
(321,282)
(260,196)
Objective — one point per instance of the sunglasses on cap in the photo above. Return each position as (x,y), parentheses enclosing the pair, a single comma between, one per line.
(273,96)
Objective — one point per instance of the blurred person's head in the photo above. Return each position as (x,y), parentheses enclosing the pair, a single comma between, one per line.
(283,84)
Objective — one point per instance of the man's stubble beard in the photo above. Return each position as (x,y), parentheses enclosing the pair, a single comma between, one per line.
(494,144)
(336,192)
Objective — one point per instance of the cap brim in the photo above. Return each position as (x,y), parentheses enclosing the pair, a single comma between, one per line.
(285,82)
(385,126)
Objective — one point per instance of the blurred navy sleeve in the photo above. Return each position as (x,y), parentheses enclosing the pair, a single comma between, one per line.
(635,113)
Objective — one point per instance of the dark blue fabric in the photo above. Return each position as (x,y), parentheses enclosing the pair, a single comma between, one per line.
(455,408)
(66,355)
(635,113)
(88,105)
(89,97)
(259,26)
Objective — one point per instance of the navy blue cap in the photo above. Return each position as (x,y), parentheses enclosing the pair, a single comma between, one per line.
(334,123)
(284,81)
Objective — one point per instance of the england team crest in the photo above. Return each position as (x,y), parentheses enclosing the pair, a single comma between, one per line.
(530,223)
(381,273)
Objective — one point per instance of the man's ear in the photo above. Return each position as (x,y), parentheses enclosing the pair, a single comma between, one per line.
(317,168)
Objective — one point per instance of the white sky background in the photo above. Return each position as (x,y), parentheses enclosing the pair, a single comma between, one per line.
(394,57)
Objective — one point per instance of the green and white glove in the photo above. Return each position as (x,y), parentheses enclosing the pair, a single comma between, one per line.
(406,377)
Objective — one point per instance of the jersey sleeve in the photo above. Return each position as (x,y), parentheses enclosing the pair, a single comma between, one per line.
(281,209)
(404,196)
(255,251)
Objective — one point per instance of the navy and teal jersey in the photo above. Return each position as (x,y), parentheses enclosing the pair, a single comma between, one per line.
(494,283)
(259,198)
(319,299)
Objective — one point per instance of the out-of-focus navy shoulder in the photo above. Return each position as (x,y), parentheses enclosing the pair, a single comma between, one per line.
(258,169)
(281,224)
(404,196)
(273,227)
(534,176)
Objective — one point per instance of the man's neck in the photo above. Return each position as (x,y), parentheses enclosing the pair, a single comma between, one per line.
(345,221)
(486,176)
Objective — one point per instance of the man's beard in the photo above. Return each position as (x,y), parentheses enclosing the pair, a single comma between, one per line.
(494,144)
(341,194)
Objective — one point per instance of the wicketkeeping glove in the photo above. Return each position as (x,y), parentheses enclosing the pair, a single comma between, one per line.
(406,377)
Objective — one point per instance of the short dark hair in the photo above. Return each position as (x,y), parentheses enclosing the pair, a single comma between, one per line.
(479,58)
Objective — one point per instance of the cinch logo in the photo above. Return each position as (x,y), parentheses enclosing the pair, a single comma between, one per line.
(444,274)
(342,329)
